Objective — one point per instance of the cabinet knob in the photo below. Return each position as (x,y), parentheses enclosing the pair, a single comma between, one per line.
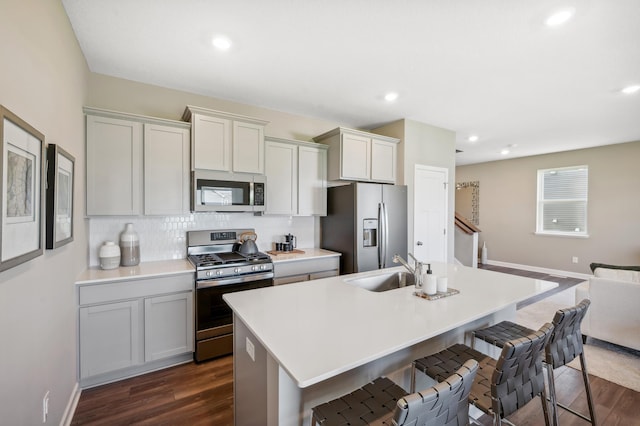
(419,243)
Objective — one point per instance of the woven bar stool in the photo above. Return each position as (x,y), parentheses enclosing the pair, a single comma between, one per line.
(564,346)
(502,386)
(382,402)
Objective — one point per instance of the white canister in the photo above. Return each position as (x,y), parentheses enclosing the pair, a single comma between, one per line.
(129,246)
(109,255)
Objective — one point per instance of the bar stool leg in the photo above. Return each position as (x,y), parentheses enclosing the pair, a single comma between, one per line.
(545,407)
(587,387)
(413,377)
(552,394)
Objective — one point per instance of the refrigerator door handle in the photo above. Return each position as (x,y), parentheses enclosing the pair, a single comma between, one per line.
(380,234)
(384,240)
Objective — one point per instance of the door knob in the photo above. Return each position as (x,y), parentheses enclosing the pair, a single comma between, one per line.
(419,243)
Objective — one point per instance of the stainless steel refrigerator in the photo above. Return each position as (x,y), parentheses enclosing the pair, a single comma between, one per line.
(367,223)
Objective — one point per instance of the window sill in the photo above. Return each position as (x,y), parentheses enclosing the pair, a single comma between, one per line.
(561,234)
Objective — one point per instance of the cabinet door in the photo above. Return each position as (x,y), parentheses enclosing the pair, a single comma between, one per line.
(166,170)
(312,181)
(110,337)
(248,147)
(168,325)
(114,166)
(211,143)
(355,158)
(282,177)
(383,161)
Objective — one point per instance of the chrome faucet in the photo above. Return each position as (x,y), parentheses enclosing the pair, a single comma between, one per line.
(416,270)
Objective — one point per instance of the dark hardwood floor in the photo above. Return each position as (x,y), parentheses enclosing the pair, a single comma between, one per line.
(202,394)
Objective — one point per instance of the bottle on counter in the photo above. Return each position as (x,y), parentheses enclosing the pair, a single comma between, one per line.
(430,282)
(129,246)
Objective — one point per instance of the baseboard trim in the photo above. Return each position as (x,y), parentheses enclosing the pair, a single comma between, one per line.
(71,406)
(556,272)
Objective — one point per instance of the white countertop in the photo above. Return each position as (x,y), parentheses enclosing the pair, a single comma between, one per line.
(309,253)
(318,329)
(96,275)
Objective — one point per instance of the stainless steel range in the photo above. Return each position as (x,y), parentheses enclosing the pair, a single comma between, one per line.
(222,267)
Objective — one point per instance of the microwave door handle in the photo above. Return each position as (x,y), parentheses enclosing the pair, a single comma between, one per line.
(251,195)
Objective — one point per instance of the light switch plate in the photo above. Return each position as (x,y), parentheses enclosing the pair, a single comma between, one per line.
(251,350)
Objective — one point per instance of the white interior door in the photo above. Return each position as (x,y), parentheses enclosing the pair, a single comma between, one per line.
(430,213)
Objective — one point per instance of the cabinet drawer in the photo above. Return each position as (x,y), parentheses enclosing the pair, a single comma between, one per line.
(324,274)
(122,290)
(297,267)
(291,279)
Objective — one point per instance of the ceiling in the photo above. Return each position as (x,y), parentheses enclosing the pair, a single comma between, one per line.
(487,68)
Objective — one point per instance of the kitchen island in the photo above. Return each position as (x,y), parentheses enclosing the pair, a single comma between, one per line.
(299,345)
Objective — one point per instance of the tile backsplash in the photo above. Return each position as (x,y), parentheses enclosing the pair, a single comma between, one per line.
(165,237)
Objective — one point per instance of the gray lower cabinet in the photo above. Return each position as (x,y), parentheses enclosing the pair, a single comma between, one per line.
(130,327)
(287,272)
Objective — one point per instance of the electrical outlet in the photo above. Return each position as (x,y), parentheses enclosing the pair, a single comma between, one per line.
(251,350)
(45,407)
(574,259)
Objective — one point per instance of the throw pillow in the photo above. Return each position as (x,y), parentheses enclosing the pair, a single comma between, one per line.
(615,272)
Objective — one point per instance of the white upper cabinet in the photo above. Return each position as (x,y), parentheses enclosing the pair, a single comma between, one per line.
(248,147)
(296,177)
(355,156)
(212,143)
(227,142)
(281,170)
(166,170)
(312,181)
(136,164)
(360,156)
(383,160)
(114,166)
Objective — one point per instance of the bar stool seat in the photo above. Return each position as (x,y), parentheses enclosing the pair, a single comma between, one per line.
(382,402)
(500,333)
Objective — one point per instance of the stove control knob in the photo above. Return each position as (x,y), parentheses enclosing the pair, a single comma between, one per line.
(254,268)
(218,273)
(207,274)
(236,270)
(262,267)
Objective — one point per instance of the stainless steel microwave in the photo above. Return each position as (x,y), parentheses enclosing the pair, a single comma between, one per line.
(227,192)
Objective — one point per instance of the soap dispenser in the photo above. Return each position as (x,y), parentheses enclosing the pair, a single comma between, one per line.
(430,285)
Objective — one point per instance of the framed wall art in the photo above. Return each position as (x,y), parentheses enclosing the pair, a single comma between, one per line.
(21,190)
(60,176)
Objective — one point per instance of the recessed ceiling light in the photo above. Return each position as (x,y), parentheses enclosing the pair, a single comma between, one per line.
(505,151)
(559,18)
(391,96)
(221,43)
(631,89)
(473,138)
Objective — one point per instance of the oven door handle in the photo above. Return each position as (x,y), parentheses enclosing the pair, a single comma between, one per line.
(240,279)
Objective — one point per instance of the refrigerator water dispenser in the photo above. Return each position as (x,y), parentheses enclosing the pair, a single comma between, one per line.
(370,232)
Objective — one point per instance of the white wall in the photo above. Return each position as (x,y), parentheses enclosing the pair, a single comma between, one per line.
(43,80)
(430,146)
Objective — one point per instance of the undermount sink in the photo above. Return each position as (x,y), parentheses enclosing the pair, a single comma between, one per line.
(383,282)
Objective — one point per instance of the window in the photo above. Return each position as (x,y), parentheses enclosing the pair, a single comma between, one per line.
(562,201)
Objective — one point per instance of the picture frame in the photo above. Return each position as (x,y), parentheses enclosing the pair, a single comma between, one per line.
(22,160)
(60,183)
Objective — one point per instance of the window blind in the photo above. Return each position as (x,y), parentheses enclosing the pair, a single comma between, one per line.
(562,200)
